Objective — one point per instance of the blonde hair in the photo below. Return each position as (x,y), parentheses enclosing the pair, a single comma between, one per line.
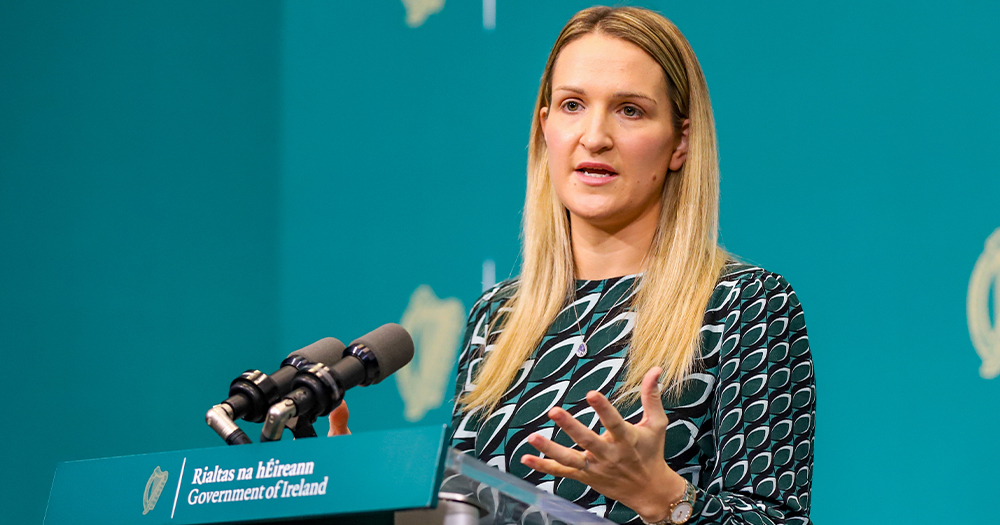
(684,260)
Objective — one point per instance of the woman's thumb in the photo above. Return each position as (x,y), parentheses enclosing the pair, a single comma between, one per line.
(338,420)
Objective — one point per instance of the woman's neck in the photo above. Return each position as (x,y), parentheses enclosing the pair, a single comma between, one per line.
(602,253)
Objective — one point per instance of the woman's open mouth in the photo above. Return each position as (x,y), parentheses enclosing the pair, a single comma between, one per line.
(595,174)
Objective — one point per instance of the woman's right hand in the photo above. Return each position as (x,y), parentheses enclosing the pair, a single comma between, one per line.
(338,420)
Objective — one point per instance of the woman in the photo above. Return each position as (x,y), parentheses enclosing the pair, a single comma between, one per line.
(624,287)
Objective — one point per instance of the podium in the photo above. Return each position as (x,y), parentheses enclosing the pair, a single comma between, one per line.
(404,477)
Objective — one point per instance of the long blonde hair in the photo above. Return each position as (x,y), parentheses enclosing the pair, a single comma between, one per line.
(684,260)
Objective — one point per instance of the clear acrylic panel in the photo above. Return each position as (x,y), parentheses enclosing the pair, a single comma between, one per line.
(507,499)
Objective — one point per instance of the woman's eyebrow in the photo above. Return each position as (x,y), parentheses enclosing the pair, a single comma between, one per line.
(574,89)
(633,94)
(619,94)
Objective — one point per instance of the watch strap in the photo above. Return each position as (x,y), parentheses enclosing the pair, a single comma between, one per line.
(690,495)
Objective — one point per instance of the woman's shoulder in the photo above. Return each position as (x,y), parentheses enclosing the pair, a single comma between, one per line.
(740,283)
(494,297)
(754,313)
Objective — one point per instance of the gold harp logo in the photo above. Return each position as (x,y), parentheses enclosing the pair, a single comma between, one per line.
(984,331)
(418,10)
(436,326)
(157,480)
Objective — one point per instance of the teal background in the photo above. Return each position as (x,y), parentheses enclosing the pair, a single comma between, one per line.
(190,189)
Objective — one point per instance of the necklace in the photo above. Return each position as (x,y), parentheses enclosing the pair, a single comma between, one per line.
(581,348)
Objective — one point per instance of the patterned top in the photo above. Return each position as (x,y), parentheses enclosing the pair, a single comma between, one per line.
(741,431)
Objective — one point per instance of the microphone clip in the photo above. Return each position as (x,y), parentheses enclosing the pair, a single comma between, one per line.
(220,418)
(314,392)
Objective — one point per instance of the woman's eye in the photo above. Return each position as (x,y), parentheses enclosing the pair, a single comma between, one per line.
(631,111)
(572,105)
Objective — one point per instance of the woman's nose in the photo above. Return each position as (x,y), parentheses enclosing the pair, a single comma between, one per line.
(595,136)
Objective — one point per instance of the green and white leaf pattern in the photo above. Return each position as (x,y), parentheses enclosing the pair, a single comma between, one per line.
(741,429)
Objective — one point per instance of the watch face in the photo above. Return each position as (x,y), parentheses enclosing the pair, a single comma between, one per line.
(681,512)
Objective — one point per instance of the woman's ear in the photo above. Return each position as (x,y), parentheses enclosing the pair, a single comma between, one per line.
(681,151)
(543,118)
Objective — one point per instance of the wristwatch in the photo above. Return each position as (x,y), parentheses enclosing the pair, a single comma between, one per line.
(680,511)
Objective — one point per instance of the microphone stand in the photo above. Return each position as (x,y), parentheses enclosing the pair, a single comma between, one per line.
(303,429)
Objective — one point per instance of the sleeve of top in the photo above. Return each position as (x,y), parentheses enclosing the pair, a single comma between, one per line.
(463,425)
(764,410)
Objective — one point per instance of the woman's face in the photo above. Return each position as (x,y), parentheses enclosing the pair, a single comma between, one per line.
(609,132)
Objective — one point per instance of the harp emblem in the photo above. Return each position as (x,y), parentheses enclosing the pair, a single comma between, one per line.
(984,289)
(436,326)
(154,487)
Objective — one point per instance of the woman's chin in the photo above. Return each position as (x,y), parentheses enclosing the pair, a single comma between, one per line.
(600,218)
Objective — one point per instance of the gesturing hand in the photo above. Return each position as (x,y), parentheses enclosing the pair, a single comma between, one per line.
(625,463)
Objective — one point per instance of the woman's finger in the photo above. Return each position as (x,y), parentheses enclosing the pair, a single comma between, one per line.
(608,414)
(652,405)
(550,466)
(338,420)
(577,431)
(566,456)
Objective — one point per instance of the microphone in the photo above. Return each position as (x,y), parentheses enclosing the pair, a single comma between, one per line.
(253,392)
(319,388)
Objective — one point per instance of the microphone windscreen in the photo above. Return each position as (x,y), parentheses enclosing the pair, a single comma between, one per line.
(328,351)
(392,346)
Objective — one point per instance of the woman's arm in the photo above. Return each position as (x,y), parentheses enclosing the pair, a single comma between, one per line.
(764,410)
(464,425)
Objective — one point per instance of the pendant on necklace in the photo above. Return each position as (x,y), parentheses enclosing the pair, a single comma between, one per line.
(581,349)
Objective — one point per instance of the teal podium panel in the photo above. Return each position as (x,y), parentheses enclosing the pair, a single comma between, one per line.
(374,472)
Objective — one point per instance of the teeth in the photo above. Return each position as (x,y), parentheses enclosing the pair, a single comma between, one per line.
(592,174)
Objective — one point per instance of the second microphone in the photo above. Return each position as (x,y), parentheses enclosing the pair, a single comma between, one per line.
(318,389)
